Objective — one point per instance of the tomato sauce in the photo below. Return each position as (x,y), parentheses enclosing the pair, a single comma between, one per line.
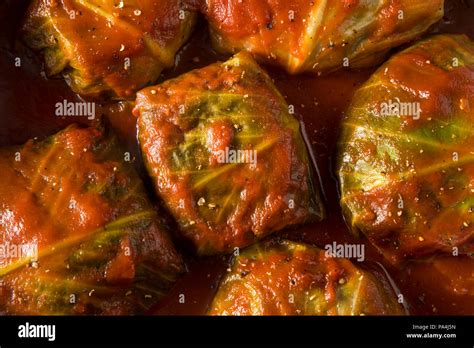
(441,285)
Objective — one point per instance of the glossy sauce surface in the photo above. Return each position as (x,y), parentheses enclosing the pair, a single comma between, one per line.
(27,101)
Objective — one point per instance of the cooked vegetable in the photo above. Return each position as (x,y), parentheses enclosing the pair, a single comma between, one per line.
(318,36)
(78,234)
(107,47)
(406,152)
(287,278)
(225,155)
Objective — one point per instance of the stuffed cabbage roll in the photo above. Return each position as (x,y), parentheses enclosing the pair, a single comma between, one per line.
(226,155)
(287,278)
(318,36)
(406,164)
(107,47)
(78,234)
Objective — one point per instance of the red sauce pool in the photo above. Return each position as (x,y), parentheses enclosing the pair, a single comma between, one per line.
(442,285)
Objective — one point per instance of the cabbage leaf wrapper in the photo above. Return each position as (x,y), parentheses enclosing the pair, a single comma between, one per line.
(318,36)
(406,159)
(78,234)
(107,48)
(226,156)
(280,277)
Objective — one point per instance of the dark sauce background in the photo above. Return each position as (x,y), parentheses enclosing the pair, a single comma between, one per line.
(440,285)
